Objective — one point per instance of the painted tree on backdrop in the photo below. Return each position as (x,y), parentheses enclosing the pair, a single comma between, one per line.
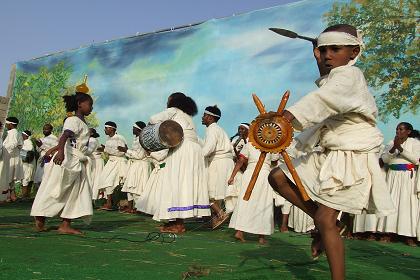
(390,60)
(37,98)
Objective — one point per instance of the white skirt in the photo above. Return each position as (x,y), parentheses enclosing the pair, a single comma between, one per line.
(256,215)
(219,171)
(137,176)
(232,193)
(404,196)
(148,201)
(365,222)
(113,174)
(64,191)
(96,170)
(183,192)
(16,168)
(28,172)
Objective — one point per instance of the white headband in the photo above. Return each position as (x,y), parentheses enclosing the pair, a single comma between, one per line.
(23,132)
(110,126)
(341,39)
(244,125)
(211,114)
(136,126)
(9,122)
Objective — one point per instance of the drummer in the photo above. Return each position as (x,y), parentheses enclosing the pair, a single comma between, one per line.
(13,144)
(115,170)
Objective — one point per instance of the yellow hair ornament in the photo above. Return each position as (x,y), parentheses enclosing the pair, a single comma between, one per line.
(83,88)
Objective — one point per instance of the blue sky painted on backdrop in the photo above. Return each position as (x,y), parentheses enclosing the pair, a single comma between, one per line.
(221,61)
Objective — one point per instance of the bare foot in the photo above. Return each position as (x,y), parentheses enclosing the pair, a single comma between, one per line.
(240,236)
(284,228)
(371,237)
(410,242)
(262,240)
(385,239)
(68,230)
(106,207)
(317,248)
(40,224)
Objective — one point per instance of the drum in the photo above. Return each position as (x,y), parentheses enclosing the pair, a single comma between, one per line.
(160,136)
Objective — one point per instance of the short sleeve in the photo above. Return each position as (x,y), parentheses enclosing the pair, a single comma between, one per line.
(168,114)
(245,150)
(72,124)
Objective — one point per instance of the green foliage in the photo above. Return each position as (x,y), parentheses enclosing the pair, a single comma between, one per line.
(390,60)
(37,98)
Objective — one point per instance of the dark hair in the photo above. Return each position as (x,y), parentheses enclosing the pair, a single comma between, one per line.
(215,110)
(13,119)
(347,28)
(49,126)
(111,123)
(141,124)
(93,133)
(414,132)
(182,102)
(72,101)
(28,132)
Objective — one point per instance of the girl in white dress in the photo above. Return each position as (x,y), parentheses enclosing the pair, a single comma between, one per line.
(402,158)
(255,215)
(28,165)
(138,170)
(96,160)
(183,193)
(65,189)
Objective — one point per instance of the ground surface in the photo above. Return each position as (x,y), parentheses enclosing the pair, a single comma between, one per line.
(116,246)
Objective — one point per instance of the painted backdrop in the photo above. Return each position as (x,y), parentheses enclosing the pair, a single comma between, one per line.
(220,61)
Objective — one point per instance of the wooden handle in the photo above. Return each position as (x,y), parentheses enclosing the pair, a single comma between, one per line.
(254,176)
(283,101)
(260,105)
(295,176)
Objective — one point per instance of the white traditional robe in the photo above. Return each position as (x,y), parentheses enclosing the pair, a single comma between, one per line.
(48,142)
(28,167)
(138,170)
(217,151)
(232,191)
(4,170)
(13,144)
(115,169)
(255,215)
(97,165)
(403,188)
(341,116)
(149,199)
(66,190)
(184,187)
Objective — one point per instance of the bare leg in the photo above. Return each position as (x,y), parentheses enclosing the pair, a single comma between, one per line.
(108,203)
(240,236)
(40,223)
(65,228)
(325,219)
(12,192)
(284,222)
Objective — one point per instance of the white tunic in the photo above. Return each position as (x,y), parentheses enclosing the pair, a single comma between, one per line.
(256,215)
(115,169)
(13,144)
(97,165)
(48,142)
(184,190)
(342,118)
(4,170)
(28,167)
(402,185)
(217,150)
(149,199)
(138,170)
(65,190)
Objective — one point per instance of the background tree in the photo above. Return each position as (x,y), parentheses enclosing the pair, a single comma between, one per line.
(37,98)
(390,60)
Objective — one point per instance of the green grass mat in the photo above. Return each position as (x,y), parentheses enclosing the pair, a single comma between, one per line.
(120,246)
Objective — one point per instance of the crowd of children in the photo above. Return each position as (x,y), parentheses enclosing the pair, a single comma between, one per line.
(339,155)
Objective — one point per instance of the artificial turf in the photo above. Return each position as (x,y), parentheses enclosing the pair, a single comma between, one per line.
(121,246)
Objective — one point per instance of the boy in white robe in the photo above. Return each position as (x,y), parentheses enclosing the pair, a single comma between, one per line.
(115,170)
(49,141)
(217,151)
(28,163)
(341,116)
(138,170)
(13,144)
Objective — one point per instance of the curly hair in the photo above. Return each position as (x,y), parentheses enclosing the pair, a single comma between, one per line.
(182,102)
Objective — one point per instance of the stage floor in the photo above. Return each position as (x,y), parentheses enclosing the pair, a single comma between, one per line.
(118,246)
